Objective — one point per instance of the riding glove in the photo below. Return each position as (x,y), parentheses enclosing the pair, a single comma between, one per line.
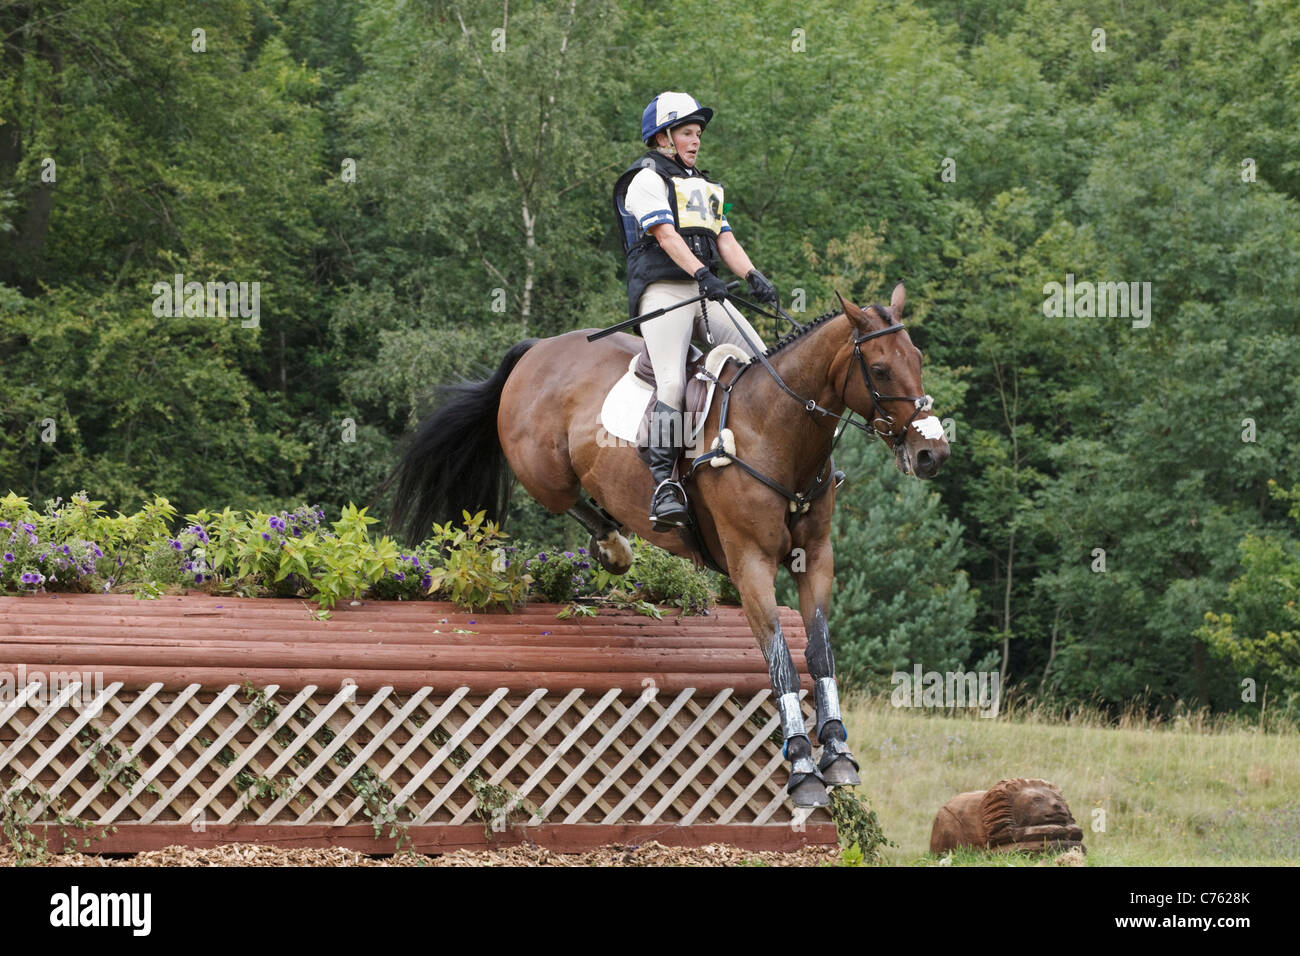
(710,285)
(763,290)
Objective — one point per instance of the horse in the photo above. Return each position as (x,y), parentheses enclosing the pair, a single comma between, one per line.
(538,417)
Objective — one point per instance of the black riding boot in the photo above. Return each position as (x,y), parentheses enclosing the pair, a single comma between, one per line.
(668,506)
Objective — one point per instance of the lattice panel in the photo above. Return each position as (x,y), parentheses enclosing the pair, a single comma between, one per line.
(233,756)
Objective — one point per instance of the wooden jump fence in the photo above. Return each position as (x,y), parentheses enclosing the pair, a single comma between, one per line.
(202,720)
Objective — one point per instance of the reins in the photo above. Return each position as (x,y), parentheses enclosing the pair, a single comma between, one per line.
(801,502)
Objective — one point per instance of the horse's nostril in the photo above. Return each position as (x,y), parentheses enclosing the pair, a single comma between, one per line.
(924,458)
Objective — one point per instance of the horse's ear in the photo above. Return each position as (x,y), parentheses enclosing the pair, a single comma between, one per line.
(856,315)
(897,301)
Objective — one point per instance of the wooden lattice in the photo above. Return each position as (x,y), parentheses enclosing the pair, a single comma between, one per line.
(447,766)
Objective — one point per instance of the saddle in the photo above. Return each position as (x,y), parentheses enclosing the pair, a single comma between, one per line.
(701,374)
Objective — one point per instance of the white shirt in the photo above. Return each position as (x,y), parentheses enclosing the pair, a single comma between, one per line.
(647,201)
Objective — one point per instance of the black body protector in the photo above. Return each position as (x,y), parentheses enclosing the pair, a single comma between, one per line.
(695,201)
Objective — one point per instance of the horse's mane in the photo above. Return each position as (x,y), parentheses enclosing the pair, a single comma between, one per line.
(800,333)
(797,334)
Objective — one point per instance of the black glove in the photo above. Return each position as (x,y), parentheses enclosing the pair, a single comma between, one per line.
(710,285)
(763,290)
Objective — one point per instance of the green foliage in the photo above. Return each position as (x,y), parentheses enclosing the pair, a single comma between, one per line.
(559,575)
(1260,634)
(475,572)
(663,578)
(857,827)
(414,199)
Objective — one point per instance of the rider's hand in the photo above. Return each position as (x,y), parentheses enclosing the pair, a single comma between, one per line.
(710,285)
(763,290)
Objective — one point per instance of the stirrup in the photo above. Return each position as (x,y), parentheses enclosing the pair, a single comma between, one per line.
(662,523)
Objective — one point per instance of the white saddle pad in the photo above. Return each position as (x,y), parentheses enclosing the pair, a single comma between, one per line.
(625,405)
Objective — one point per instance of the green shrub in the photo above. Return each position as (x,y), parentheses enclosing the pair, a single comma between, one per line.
(667,579)
(473,567)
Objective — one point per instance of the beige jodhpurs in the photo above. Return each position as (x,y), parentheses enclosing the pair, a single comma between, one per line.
(668,337)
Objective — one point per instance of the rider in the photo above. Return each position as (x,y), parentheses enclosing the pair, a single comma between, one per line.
(674,230)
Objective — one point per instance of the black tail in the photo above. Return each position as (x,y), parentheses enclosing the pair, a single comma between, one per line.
(454,461)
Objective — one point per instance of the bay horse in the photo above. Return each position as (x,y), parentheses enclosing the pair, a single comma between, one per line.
(538,416)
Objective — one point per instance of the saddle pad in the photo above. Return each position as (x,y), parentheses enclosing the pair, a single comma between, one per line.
(624,412)
(625,406)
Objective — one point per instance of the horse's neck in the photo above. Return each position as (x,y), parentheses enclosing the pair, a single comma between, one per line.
(805,365)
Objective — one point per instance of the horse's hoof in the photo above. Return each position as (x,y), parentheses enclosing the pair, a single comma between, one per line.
(841,773)
(810,793)
(609,553)
(838,766)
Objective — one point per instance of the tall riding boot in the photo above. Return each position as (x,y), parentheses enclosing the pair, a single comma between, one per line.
(668,506)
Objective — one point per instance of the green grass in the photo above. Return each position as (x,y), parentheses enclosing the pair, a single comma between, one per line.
(1188,792)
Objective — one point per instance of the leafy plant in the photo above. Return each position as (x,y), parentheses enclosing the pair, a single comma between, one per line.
(472,569)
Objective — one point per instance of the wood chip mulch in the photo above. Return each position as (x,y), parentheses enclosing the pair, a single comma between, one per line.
(254,854)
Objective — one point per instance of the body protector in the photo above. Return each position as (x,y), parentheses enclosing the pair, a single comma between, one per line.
(695,201)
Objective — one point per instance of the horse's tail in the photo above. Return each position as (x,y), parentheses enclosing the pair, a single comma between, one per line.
(454,462)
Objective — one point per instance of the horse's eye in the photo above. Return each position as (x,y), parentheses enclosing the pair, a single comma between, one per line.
(880,371)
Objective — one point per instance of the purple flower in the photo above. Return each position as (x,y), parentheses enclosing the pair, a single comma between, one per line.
(98,553)
(400,575)
(66,550)
(198,579)
(4,524)
(568,554)
(277,524)
(542,557)
(582,550)
(176,545)
(426,581)
(9,556)
(265,536)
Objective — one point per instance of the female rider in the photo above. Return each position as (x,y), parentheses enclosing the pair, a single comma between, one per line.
(674,231)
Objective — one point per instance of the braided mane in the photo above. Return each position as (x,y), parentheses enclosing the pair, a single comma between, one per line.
(797,334)
(800,333)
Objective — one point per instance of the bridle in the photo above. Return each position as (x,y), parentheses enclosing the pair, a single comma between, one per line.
(920,403)
(800,502)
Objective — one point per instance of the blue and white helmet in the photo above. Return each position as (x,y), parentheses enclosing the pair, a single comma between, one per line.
(671,109)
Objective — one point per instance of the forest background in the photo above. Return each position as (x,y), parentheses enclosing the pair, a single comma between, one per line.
(418,185)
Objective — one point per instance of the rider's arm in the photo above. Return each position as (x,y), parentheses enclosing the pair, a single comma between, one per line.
(733,255)
(671,241)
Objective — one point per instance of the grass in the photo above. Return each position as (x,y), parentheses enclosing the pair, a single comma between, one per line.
(1193,791)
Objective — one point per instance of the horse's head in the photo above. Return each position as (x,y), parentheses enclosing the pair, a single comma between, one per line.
(883,383)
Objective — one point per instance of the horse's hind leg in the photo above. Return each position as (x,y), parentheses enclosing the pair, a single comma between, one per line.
(608,545)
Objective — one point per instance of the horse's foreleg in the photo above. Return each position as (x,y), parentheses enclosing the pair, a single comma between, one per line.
(837,763)
(754,577)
